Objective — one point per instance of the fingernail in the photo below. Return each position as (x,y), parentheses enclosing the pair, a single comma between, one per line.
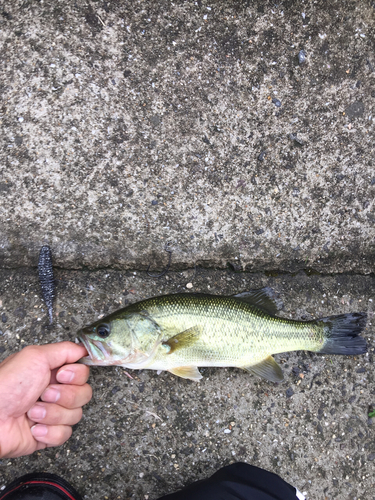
(37,412)
(51,395)
(39,430)
(65,376)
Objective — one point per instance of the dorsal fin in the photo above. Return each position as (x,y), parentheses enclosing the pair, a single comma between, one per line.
(263,298)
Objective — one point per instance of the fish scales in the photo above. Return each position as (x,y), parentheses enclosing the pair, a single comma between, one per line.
(182,332)
(233,332)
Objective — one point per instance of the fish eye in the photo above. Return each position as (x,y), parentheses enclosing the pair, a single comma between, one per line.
(103,331)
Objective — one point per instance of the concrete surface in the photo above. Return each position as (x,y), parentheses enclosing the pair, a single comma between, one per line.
(145,437)
(125,125)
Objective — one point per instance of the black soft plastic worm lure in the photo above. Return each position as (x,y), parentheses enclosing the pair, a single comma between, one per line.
(47,281)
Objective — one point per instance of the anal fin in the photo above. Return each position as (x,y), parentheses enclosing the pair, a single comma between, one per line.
(268,369)
(190,372)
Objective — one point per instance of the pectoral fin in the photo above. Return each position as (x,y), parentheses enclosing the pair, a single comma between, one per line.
(182,340)
(190,372)
(268,369)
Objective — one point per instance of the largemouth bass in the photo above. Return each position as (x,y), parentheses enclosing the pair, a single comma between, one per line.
(182,332)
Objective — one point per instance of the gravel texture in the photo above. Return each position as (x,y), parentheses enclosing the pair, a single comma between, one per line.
(145,437)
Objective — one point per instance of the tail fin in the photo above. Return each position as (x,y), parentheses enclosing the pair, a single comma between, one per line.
(342,334)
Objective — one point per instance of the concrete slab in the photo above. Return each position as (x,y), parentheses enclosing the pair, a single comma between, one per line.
(128,125)
(145,437)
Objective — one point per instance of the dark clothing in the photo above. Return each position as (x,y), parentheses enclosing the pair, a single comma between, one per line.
(239,481)
(40,486)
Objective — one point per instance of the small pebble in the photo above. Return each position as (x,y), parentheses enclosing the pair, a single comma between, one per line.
(227,431)
(189,285)
(301,56)
(261,156)
(294,138)
(154,202)
(276,102)
(296,371)
(20,119)
(289,392)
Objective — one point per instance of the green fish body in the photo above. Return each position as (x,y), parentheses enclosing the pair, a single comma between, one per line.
(182,332)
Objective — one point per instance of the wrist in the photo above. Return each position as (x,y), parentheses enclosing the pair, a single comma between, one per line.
(5,443)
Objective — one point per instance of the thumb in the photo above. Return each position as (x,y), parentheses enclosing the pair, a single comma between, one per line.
(62,353)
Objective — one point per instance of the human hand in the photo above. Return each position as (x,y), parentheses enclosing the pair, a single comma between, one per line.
(41,397)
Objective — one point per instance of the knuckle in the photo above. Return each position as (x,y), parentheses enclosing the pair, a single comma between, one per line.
(89,392)
(34,353)
(55,416)
(63,434)
(70,398)
(77,416)
(85,371)
(31,349)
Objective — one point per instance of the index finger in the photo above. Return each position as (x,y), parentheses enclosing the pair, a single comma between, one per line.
(76,374)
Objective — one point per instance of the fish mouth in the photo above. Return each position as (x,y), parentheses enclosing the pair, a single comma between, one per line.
(98,353)
(103,354)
